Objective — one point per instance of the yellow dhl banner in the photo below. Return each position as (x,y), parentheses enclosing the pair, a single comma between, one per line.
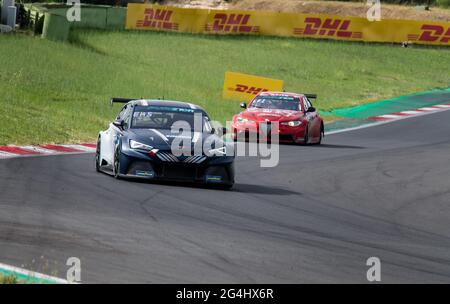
(244,87)
(168,18)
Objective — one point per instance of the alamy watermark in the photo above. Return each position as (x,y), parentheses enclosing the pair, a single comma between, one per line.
(374,11)
(374,272)
(74,12)
(73,274)
(259,140)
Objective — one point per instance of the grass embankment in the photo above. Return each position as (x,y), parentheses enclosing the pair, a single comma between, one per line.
(56,92)
(355,8)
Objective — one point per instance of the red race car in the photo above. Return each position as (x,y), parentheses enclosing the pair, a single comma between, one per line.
(298,120)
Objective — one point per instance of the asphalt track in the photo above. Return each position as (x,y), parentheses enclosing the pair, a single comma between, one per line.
(382,191)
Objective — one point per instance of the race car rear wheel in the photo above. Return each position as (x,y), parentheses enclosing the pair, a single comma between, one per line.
(322,133)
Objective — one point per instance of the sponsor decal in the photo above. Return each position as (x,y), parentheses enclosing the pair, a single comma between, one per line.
(231,23)
(431,33)
(145,173)
(213,178)
(157,18)
(321,26)
(327,27)
(244,87)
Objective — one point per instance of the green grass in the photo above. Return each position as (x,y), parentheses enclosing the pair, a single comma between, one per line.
(8,279)
(58,92)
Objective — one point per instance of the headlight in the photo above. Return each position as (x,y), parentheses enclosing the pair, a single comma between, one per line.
(139,146)
(242,120)
(294,123)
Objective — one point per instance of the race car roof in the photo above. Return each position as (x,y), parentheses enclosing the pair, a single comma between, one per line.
(287,94)
(280,94)
(164,103)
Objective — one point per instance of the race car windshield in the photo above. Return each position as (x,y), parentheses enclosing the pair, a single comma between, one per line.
(150,119)
(281,103)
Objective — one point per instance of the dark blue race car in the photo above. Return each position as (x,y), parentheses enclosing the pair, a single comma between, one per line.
(165,140)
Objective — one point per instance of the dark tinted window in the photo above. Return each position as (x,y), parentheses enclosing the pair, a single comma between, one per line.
(276,102)
(165,118)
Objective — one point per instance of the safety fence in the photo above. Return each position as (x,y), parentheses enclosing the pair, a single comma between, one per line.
(205,21)
(51,21)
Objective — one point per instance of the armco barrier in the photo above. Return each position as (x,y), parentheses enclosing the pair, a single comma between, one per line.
(56,27)
(97,17)
(92,16)
(167,18)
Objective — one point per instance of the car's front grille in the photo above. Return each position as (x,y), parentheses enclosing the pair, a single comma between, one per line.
(137,165)
(286,137)
(169,157)
(179,172)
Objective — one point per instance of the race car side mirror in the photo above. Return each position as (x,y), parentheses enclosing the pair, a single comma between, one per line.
(311,110)
(119,123)
(224,130)
(243,105)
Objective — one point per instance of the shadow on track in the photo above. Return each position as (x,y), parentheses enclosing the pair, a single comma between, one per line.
(259,189)
(238,187)
(337,146)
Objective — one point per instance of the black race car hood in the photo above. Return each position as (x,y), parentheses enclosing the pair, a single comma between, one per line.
(162,138)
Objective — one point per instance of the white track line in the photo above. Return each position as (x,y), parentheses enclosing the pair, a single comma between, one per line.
(39,149)
(375,124)
(6,154)
(32,274)
(390,116)
(411,112)
(80,147)
(429,109)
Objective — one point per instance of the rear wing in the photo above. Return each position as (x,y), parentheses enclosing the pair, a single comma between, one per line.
(311,96)
(121,100)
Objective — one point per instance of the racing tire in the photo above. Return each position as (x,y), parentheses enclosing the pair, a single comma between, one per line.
(320,137)
(322,133)
(97,156)
(306,138)
(116,166)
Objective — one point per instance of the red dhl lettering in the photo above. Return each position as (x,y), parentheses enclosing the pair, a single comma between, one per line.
(242,88)
(328,27)
(236,23)
(432,33)
(157,19)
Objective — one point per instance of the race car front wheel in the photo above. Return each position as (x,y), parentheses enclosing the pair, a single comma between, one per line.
(306,138)
(117,163)
(97,156)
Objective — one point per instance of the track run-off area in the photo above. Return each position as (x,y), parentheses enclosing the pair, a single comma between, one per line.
(381,191)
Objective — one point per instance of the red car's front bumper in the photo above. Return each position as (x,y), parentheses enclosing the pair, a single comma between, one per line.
(253,131)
